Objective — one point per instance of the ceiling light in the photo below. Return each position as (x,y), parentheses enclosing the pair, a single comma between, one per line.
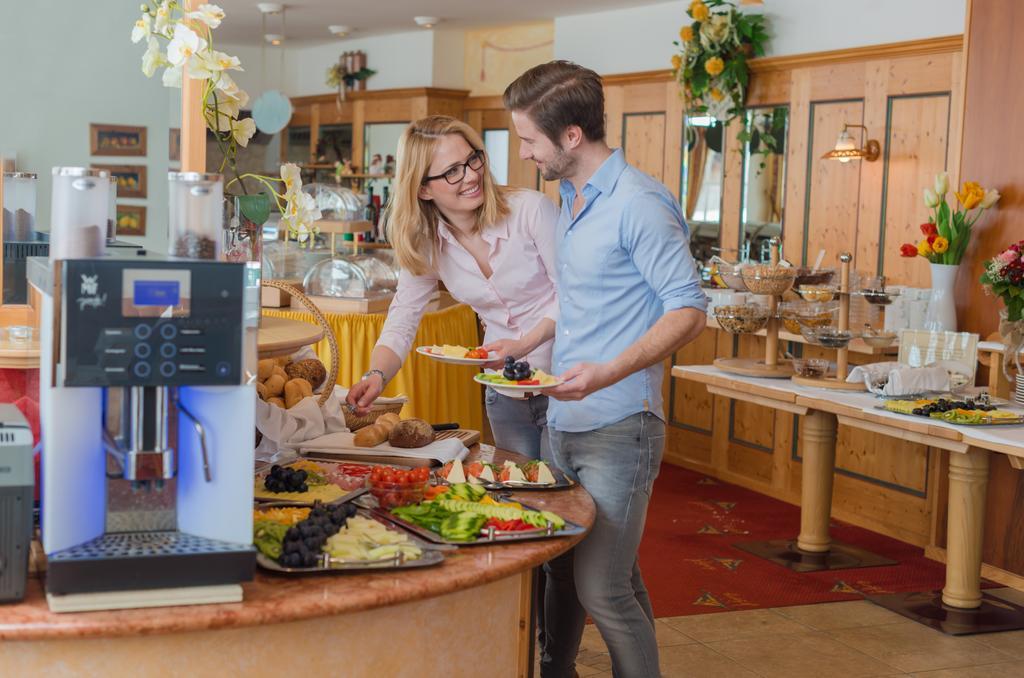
(426,21)
(269,7)
(340,31)
(846,149)
(274,38)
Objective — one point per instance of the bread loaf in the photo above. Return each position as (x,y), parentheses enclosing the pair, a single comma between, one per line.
(377,432)
(279,371)
(274,385)
(411,433)
(389,420)
(295,390)
(277,401)
(265,368)
(261,390)
(311,369)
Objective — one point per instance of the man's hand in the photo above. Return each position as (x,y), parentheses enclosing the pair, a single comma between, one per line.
(504,347)
(362,394)
(581,380)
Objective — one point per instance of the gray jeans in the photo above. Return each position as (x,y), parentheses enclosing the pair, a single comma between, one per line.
(617,465)
(519,425)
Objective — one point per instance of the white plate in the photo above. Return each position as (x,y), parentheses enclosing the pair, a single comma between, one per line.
(425,350)
(514,390)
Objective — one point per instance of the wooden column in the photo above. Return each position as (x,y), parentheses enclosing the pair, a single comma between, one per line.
(193,127)
(819,463)
(968,482)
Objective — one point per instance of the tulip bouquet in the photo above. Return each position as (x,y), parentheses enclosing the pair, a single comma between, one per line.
(948,231)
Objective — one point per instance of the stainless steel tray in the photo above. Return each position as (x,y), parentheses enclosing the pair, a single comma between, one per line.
(562,482)
(431,556)
(1005,422)
(263,501)
(487,537)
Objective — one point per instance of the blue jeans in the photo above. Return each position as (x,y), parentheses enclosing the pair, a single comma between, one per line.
(519,425)
(617,465)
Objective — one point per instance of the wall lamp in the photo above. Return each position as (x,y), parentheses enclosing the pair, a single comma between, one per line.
(846,148)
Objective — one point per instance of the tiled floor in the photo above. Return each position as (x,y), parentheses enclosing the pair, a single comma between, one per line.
(856,639)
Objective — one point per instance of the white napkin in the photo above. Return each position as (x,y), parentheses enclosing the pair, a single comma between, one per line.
(897,379)
(442,450)
(307,420)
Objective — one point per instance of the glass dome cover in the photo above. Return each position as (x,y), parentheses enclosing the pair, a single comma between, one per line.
(337,203)
(354,276)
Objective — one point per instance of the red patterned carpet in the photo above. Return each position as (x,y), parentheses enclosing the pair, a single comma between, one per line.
(690,565)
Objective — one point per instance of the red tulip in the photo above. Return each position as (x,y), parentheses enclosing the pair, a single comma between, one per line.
(908,250)
(929,229)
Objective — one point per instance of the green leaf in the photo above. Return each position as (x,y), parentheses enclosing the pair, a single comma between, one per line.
(255,207)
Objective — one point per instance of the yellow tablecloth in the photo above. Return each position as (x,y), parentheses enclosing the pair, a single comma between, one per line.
(437,392)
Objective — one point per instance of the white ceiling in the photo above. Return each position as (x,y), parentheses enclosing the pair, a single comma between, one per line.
(306,21)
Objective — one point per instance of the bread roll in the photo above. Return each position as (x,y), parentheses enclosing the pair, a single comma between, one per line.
(311,369)
(275,385)
(262,391)
(277,401)
(295,390)
(411,433)
(265,368)
(279,371)
(372,435)
(389,420)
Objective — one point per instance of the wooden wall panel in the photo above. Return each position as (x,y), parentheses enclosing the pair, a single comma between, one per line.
(916,150)
(901,465)
(832,188)
(643,142)
(690,403)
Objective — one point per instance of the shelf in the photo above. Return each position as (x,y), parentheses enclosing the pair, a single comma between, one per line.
(856,345)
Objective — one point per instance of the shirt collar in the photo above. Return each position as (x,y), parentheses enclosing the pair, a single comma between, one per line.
(491,234)
(603,180)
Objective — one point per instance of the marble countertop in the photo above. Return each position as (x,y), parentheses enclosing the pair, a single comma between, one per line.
(274,599)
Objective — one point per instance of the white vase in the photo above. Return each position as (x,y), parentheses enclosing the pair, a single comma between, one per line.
(941,315)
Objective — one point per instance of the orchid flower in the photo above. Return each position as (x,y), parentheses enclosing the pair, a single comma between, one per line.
(211,15)
(142,28)
(153,58)
(243,130)
(184,45)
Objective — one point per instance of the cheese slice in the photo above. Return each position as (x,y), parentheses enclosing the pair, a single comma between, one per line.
(544,474)
(454,351)
(487,474)
(457,474)
(514,472)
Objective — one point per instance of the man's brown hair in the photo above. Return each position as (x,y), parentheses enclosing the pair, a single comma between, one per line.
(558,94)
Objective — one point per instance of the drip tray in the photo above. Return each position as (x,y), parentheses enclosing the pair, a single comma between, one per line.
(148,560)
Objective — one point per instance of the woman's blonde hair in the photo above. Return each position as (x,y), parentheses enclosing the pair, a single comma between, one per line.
(411,223)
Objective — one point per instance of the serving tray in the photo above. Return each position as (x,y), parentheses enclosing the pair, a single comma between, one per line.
(1017,421)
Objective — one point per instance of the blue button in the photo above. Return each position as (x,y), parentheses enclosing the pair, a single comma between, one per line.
(168,350)
(143,331)
(168,331)
(141,370)
(142,351)
(223,369)
(167,369)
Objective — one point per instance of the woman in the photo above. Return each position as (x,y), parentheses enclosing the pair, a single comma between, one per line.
(493,248)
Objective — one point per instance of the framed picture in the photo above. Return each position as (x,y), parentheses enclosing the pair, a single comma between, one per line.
(117,140)
(174,144)
(131,179)
(131,220)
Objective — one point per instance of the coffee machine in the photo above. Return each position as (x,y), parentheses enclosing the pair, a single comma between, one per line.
(147,413)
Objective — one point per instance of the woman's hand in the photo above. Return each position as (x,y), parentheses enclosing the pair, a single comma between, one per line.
(362,394)
(503,348)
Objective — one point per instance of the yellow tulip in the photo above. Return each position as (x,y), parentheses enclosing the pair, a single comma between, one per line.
(686,33)
(699,11)
(714,66)
(924,249)
(939,245)
(971,195)
(677,61)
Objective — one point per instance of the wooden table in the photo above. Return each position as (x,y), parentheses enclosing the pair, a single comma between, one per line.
(961,607)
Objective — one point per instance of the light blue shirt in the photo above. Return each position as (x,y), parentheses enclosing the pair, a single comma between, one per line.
(622,262)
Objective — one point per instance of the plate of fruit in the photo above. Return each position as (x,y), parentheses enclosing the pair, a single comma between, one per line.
(965,412)
(303,482)
(516,378)
(457,355)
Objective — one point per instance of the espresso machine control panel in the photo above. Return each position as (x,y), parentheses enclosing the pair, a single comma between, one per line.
(152,322)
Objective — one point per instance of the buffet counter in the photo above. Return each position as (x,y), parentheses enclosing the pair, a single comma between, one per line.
(382,624)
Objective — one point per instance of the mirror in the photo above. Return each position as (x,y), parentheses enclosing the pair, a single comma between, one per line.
(380,144)
(334,144)
(496,145)
(701,189)
(764,179)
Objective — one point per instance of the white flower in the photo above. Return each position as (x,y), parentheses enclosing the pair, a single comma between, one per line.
(930,199)
(941,183)
(715,30)
(292,178)
(163,17)
(226,86)
(243,130)
(142,28)
(153,58)
(219,61)
(991,198)
(197,68)
(172,76)
(211,15)
(302,233)
(184,45)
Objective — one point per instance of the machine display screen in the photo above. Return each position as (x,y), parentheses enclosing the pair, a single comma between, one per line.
(157,293)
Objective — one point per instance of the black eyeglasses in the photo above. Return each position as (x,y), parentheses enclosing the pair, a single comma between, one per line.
(455,174)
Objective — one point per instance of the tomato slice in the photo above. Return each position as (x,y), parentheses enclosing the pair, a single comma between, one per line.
(529,382)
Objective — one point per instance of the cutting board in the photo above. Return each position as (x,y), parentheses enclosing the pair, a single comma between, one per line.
(467,436)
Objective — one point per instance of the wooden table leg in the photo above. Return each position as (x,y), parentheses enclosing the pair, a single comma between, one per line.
(819,464)
(968,482)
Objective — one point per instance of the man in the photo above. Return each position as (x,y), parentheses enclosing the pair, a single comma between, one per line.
(629,296)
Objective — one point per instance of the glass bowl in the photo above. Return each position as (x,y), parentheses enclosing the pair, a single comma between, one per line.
(808,276)
(820,293)
(878,338)
(390,495)
(732,276)
(20,334)
(742,319)
(815,314)
(811,367)
(832,337)
(768,279)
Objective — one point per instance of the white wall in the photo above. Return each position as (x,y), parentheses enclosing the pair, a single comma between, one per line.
(640,39)
(67,64)
(449,58)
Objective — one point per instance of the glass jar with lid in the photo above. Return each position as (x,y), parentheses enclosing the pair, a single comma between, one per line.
(196,214)
(79,210)
(19,206)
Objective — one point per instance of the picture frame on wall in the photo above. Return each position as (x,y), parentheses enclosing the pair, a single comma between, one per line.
(131,179)
(174,144)
(123,140)
(131,220)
